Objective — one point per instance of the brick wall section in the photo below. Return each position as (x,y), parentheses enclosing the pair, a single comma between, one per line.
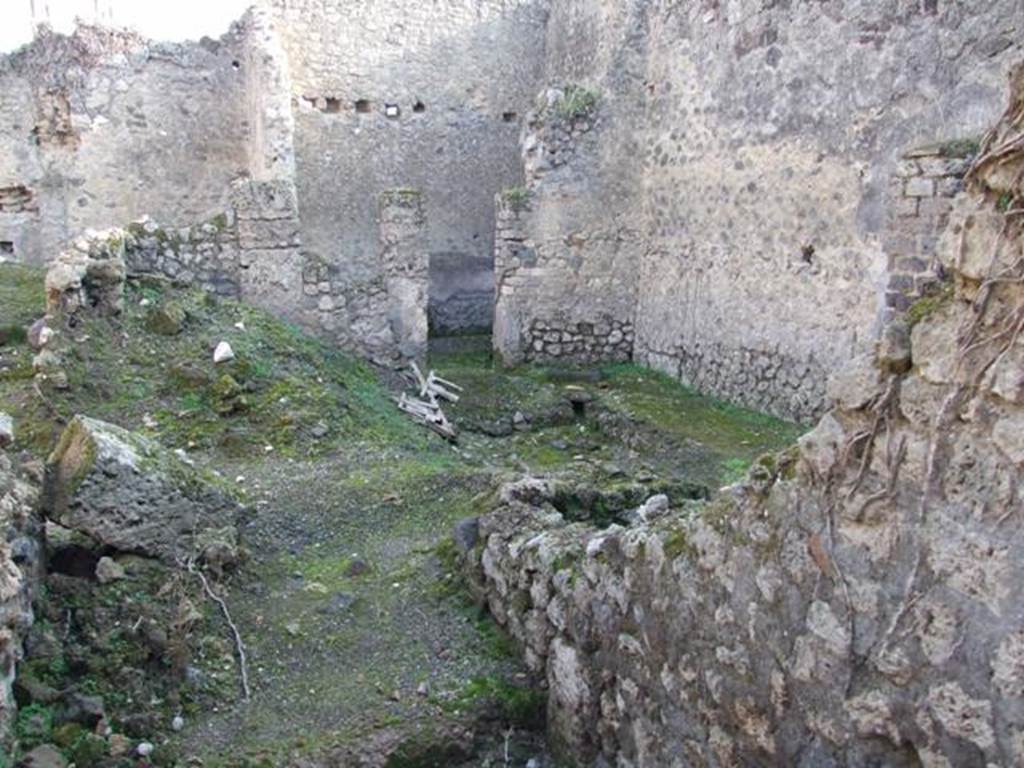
(922,192)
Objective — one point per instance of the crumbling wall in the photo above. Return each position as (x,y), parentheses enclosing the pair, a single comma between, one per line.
(20,569)
(855,601)
(921,195)
(751,148)
(564,289)
(571,240)
(409,94)
(102,127)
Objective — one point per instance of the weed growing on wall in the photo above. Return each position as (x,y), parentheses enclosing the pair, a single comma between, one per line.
(577,103)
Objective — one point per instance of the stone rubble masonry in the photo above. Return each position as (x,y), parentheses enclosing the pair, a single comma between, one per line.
(269,257)
(88,278)
(725,203)
(205,255)
(754,144)
(563,282)
(21,565)
(413,94)
(855,602)
(921,198)
(103,127)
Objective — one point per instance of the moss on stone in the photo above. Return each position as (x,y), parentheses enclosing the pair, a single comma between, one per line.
(677,544)
(929,304)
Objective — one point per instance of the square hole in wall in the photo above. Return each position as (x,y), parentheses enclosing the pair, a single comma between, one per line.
(363,106)
(332,105)
(6,248)
(509,117)
(392,111)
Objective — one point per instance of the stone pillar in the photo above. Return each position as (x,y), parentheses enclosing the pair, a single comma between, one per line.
(405,264)
(269,260)
(510,253)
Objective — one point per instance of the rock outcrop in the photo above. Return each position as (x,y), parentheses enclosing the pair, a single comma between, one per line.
(128,493)
(857,601)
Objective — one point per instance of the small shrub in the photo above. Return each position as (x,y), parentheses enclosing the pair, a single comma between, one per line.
(517,198)
(576,103)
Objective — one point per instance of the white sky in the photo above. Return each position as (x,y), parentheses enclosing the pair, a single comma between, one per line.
(158,19)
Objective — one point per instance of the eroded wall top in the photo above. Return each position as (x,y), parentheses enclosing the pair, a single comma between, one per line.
(103,127)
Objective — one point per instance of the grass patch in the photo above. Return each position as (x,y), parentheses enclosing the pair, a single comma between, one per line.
(576,103)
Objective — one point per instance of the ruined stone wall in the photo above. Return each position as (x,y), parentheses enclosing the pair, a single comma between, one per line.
(570,241)
(563,250)
(921,195)
(855,602)
(772,133)
(410,94)
(101,127)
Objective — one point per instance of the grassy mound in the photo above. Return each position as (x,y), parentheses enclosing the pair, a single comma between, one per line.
(152,370)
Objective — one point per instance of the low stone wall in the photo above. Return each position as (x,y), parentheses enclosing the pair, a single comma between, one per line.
(205,255)
(606,340)
(855,602)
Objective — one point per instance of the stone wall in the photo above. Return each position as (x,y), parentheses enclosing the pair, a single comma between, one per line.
(751,147)
(855,602)
(406,265)
(102,127)
(773,130)
(409,94)
(564,249)
(920,199)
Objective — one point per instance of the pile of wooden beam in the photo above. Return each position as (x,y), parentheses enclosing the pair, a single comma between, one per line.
(426,408)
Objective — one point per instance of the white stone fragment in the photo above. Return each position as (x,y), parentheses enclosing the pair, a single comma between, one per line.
(223,353)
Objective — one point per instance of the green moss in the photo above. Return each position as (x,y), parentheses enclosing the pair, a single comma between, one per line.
(734,470)
(34,725)
(576,103)
(966,147)
(926,306)
(22,295)
(519,706)
(677,544)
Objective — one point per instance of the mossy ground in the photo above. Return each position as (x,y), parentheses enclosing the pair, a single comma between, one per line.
(346,605)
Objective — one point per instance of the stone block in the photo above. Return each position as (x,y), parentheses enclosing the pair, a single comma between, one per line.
(126,492)
(919,187)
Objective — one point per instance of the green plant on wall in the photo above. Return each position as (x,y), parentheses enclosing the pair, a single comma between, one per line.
(577,102)
(517,198)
